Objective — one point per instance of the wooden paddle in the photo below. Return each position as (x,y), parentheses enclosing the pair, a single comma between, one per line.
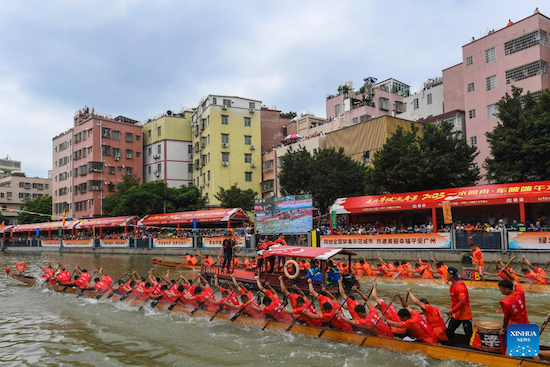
(219,309)
(182,293)
(105,291)
(242,309)
(276,311)
(380,318)
(203,302)
(301,313)
(336,313)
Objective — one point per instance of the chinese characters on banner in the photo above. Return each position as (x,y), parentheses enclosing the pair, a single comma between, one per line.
(401,241)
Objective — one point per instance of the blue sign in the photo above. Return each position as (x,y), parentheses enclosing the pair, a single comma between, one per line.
(194,224)
(37,232)
(522,340)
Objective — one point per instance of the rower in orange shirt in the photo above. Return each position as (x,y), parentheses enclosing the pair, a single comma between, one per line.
(441,269)
(432,315)
(537,275)
(500,272)
(477,257)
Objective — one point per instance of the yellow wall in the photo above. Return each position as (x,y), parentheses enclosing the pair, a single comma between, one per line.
(172,128)
(226,176)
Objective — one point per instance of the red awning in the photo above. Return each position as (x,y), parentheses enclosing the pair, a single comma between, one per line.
(202,216)
(318,253)
(526,192)
(107,222)
(69,224)
(6,229)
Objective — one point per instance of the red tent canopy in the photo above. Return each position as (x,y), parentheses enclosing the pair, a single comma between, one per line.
(526,192)
(202,216)
(5,229)
(69,224)
(319,253)
(107,222)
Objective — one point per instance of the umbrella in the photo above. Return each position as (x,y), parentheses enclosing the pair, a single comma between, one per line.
(370,80)
(293,137)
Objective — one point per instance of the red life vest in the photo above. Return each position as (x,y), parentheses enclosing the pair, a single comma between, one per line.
(514,306)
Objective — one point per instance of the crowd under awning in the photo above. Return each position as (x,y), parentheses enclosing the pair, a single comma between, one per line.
(200,216)
(45,226)
(107,222)
(319,253)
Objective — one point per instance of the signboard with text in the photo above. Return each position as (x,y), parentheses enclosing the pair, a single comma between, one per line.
(217,241)
(285,214)
(173,242)
(529,240)
(114,243)
(50,243)
(78,243)
(389,241)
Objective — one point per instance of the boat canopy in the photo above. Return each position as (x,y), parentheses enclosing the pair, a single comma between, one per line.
(45,226)
(107,222)
(201,216)
(319,253)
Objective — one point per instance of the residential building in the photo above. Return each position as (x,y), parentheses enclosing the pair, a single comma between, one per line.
(456,118)
(269,174)
(361,141)
(8,165)
(168,149)
(517,55)
(372,100)
(226,145)
(91,159)
(274,127)
(16,189)
(428,101)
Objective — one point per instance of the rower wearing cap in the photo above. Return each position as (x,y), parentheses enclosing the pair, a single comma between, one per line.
(460,311)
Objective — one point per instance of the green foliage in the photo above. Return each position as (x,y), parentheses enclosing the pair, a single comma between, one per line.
(235,197)
(289,115)
(327,176)
(133,198)
(440,158)
(42,205)
(520,143)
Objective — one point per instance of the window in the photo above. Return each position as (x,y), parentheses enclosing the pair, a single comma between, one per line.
(469,61)
(225,120)
(129,153)
(252,105)
(490,55)
(112,170)
(384,104)
(190,149)
(116,152)
(248,176)
(189,168)
(225,138)
(538,37)
(472,113)
(159,167)
(159,149)
(471,87)
(364,118)
(526,71)
(138,154)
(248,158)
(492,111)
(116,135)
(149,169)
(149,133)
(355,120)
(366,156)
(128,171)
(399,107)
(93,167)
(267,166)
(225,157)
(129,137)
(337,110)
(159,131)
(247,140)
(491,82)
(415,104)
(247,122)
(430,98)
(119,168)
(105,132)
(138,137)
(149,150)
(214,100)
(473,140)
(227,102)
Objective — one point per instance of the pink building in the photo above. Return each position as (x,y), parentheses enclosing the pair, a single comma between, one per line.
(91,159)
(515,55)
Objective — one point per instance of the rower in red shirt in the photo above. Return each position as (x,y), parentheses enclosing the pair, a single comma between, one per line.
(63,277)
(83,278)
(299,303)
(513,306)
(391,312)
(538,271)
(21,267)
(329,314)
(432,315)
(48,272)
(460,311)
(272,304)
(247,298)
(414,323)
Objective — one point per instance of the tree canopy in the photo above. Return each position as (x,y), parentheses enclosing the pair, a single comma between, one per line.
(288,115)
(234,197)
(520,143)
(42,205)
(297,170)
(133,198)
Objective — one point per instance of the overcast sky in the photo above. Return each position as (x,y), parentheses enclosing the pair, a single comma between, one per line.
(141,58)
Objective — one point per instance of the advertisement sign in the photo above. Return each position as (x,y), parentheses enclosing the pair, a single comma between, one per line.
(78,243)
(114,243)
(217,241)
(529,240)
(172,242)
(286,214)
(389,241)
(523,340)
(50,243)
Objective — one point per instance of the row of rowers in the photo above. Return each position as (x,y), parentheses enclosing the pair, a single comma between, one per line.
(376,317)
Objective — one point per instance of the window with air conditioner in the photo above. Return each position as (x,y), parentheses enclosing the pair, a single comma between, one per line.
(225,157)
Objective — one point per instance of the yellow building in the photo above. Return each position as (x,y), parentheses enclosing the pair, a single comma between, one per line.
(226,145)
(167,149)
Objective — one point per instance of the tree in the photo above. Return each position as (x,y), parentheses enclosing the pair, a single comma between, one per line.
(289,115)
(235,197)
(42,205)
(334,175)
(133,198)
(439,158)
(295,177)
(520,143)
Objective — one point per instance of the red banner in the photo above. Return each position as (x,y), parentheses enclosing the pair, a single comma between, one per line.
(389,241)
(202,216)
(217,241)
(106,222)
(528,192)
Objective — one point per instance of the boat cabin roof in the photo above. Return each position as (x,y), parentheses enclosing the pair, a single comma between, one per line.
(319,253)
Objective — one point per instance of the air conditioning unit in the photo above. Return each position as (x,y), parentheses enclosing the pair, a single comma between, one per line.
(225,145)
(117,158)
(95,187)
(190,155)
(207,183)
(252,147)
(157,174)
(251,110)
(224,107)
(225,163)
(156,156)
(253,165)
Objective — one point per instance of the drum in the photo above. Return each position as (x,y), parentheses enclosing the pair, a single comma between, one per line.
(469,273)
(488,334)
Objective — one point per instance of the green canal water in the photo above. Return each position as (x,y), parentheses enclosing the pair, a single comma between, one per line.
(42,328)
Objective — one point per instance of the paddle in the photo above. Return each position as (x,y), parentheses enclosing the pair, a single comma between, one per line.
(336,313)
(154,289)
(182,293)
(116,290)
(242,309)
(396,275)
(203,302)
(301,313)
(102,293)
(83,289)
(219,309)
(276,311)
(380,318)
